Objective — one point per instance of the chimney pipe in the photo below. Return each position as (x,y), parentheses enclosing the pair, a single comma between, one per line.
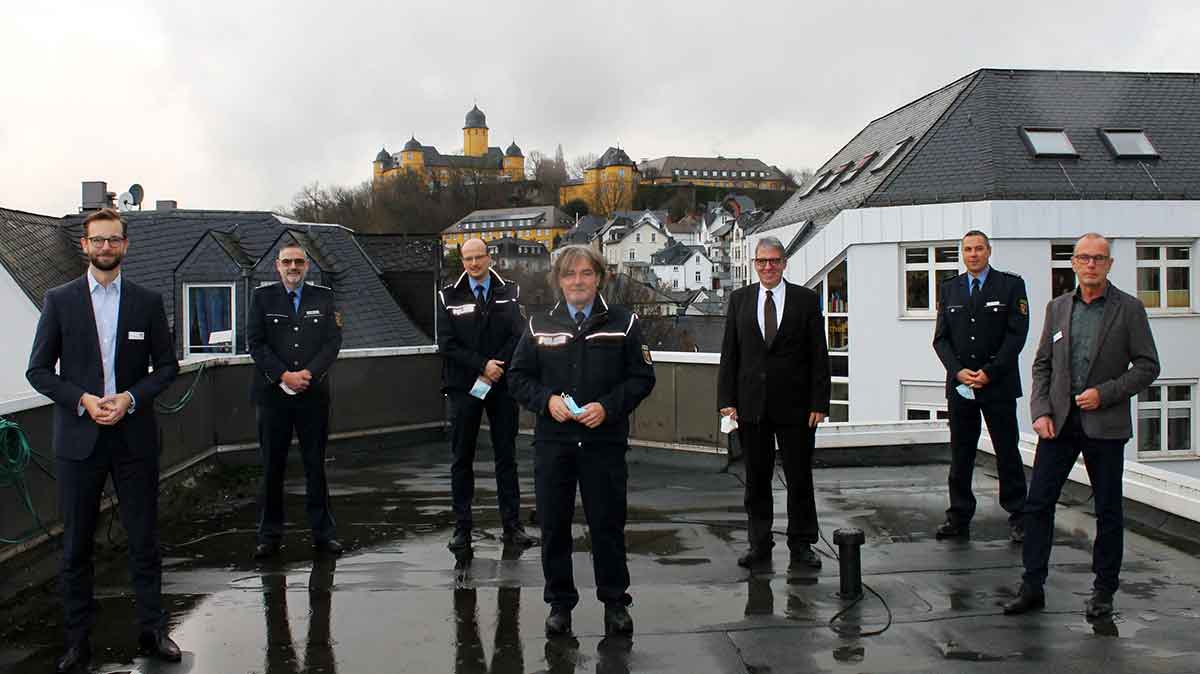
(166,205)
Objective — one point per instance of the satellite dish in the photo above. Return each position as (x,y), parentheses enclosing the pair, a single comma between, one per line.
(137,192)
(125,202)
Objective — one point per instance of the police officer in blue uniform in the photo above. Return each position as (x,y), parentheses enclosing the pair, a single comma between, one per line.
(477,331)
(982,322)
(582,369)
(294,333)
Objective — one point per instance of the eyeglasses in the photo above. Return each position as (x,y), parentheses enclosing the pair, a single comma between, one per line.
(1088,259)
(768,261)
(292,261)
(112,241)
(471,258)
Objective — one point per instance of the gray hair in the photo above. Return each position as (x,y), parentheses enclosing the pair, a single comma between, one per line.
(770,242)
(1094,236)
(567,258)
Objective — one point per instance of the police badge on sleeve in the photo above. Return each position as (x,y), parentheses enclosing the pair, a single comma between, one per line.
(646,355)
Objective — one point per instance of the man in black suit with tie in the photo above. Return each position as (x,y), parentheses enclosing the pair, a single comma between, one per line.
(104,333)
(774,382)
(294,333)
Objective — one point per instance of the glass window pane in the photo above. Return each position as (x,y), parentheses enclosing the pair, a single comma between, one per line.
(917,415)
(839,296)
(839,333)
(1178,393)
(916,290)
(1050,142)
(1149,430)
(819,289)
(1130,144)
(839,391)
(1148,285)
(943,275)
(945,254)
(1061,281)
(210,318)
(838,412)
(1178,253)
(1178,286)
(916,255)
(1062,251)
(1147,252)
(943,415)
(1152,394)
(1179,429)
(839,365)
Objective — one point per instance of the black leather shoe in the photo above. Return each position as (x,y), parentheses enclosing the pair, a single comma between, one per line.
(266,550)
(159,645)
(1027,600)
(461,540)
(806,556)
(558,622)
(1099,605)
(76,658)
(517,536)
(1016,533)
(329,547)
(617,619)
(754,557)
(949,530)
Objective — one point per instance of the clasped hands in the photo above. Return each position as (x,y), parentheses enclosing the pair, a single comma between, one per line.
(592,416)
(107,411)
(973,378)
(814,418)
(297,381)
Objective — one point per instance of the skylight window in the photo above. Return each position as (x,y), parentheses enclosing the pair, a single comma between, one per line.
(887,157)
(1128,143)
(831,177)
(813,185)
(1048,142)
(862,164)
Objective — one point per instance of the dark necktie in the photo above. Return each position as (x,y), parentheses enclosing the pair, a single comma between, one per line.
(974,293)
(770,323)
(479,295)
(292,300)
(579,318)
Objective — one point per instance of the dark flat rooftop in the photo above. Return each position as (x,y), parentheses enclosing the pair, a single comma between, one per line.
(396,603)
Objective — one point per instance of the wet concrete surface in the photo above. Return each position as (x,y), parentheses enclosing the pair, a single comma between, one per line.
(398,601)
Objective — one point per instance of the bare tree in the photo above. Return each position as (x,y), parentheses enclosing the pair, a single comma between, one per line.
(798,176)
(580,164)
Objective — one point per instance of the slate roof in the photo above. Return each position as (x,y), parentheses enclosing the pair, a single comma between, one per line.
(401,252)
(613,156)
(510,246)
(475,119)
(676,254)
(584,231)
(38,252)
(543,216)
(966,144)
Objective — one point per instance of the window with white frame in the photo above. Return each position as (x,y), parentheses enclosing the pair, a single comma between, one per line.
(925,412)
(1164,275)
(697,276)
(632,255)
(926,267)
(1062,276)
(1165,420)
(209,314)
(832,289)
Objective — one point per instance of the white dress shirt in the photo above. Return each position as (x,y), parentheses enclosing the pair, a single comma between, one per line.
(779,294)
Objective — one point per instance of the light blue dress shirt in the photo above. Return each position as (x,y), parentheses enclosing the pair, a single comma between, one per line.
(106,305)
(296,302)
(587,310)
(486,283)
(982,278)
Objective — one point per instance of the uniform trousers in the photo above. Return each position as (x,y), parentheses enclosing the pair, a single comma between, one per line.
(1001,418)
(466,412)
(275,427)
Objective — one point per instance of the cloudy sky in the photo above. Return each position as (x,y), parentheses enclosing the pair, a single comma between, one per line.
(238,104)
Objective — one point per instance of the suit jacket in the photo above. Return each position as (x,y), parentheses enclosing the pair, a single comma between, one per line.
(985,332)
(282,339)
(1122,340)
(781,382)
(470,335)
(66,335)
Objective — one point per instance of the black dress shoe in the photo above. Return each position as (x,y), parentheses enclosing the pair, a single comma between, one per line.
(806,556)
(517,536)
(617,619)
(1028,599)
(329,547)
(461,539)
(1016,533)
(76,658)
(1099,605)
(754,557)
(266,550)
(159,645)
(558,622)
(949,530)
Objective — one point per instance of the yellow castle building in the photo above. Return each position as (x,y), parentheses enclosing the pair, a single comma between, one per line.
(608,185)
(478,160)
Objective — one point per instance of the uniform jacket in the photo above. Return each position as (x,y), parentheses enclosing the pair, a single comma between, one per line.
(987,332)
(469,335)
(782,382)
(602,360)
(66,335)
(281,339)
(1124,361)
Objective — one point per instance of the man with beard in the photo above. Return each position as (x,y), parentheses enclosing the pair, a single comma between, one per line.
(104,333)
(294,333)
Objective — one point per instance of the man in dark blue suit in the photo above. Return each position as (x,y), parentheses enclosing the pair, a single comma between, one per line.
(105,333)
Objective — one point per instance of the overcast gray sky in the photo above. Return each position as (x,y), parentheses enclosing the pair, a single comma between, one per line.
(238,104)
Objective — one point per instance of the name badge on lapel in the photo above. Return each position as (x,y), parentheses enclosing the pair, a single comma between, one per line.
(137,336)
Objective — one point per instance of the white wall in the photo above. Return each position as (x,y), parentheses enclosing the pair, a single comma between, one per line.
(16,339)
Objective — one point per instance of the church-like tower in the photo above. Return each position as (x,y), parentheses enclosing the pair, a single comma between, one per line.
(475,133)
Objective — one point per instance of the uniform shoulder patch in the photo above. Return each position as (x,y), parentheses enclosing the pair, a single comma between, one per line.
(646,355)
(337,318)
(1023,306)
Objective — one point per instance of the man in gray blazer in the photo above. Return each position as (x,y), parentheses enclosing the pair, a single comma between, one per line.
(1095,354)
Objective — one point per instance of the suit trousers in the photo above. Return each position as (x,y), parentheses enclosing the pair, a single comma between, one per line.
(466,412)
(1001,418)
(80,487)
(1105,462)
(600,471)
(796,443)
(275,426)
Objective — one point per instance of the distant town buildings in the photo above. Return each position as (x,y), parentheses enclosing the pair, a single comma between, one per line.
(543,224)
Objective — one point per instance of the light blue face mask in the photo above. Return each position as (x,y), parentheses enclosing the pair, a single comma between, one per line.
(965,391)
